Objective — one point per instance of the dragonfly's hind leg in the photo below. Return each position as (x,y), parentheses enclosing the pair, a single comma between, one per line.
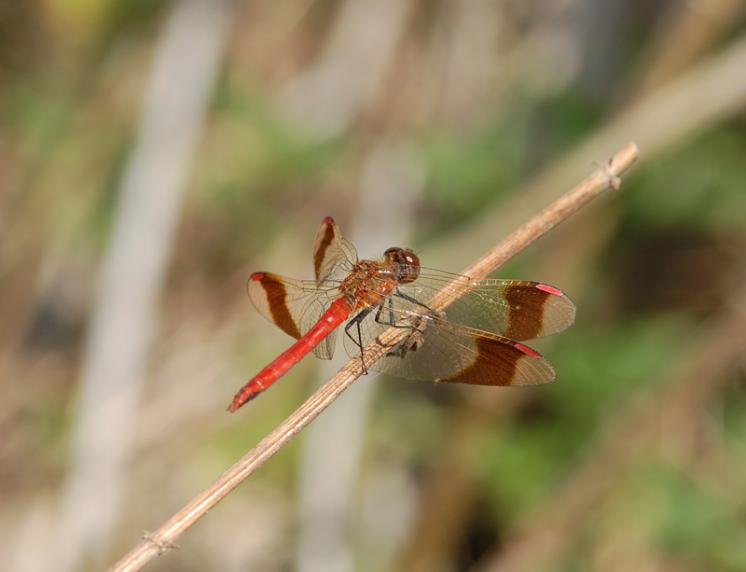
(357,337)
(358,341)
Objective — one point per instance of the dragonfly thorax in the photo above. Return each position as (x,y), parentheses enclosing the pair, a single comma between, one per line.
(368,283)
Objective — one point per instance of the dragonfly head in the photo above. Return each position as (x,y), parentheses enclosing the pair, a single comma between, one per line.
(405,262)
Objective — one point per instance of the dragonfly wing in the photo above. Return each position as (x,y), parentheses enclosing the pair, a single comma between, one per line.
(516,309)
(332,254)
(438,350)
(294,306)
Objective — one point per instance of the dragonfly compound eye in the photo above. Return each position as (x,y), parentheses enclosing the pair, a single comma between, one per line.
(407,261)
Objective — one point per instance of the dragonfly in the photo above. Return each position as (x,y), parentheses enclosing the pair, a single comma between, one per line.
(476,340)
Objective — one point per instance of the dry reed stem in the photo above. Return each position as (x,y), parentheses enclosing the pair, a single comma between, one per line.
(155,543)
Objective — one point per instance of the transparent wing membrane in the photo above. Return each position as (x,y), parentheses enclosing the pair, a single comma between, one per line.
(517,309)
(333,256)
(294,306)
(438,350)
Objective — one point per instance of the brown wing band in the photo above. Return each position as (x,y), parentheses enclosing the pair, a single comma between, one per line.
(276,299)
(495,364)
(318,256)
(526,311)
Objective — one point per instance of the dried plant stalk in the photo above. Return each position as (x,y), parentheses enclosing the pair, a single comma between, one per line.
(153,544)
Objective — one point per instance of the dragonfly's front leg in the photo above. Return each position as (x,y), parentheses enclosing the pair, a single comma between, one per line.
(390,320)
(379,314)
(408,298)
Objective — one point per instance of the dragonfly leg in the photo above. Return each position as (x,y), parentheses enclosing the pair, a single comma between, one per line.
(358,341)
(391,320)
(379,314)
(390,302)
(362,351)
(412,342)
(416,326)
(408,298)
(400,350)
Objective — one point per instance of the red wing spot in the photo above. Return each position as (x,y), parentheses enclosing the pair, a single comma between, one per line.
(257,276)
(527,350)
(550,289)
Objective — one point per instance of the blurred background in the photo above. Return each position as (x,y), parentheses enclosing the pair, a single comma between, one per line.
(154,154)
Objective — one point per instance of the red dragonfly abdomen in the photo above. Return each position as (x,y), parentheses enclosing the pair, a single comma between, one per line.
(337,313)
